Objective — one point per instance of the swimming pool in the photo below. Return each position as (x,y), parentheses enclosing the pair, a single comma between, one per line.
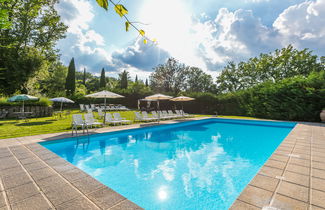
(202,164)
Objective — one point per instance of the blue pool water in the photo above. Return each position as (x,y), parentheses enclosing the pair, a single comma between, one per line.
(201,164)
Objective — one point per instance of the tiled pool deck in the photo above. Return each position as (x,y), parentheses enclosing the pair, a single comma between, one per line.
(32,177)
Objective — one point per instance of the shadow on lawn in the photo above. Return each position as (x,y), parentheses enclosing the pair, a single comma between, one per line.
(33,123)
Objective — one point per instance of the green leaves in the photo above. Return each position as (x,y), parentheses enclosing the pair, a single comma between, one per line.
(127,25)
(103,3)
(120,9)
(142,33)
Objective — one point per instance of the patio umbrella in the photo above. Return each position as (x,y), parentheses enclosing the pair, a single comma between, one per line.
(104,94)
(158,97)
(62,100)
(182,99)
(23,98)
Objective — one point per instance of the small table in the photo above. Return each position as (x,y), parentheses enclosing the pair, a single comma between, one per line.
(23,115)
(57,114)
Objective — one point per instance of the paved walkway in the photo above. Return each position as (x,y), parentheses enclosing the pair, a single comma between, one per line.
(32,177)
(293,177)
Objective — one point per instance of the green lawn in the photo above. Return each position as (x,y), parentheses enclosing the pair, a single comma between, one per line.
(17,128)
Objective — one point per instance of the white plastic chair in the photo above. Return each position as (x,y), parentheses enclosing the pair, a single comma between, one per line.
(77,121)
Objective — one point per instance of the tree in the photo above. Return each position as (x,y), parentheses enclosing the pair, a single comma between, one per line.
(285,63)
(53,84)
(147,84)
(136,79)
(4,17)
(102,81)
(84,78)
(28,44)
(198,81)
(70,84)
(168,77)
(124,77)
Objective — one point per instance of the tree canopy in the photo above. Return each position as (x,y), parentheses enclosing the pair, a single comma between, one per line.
(275,66)
(27,46)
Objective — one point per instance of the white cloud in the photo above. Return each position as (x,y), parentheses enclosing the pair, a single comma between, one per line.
(233,36)
(303,26)
(208,43)
(82,43)
(239,35)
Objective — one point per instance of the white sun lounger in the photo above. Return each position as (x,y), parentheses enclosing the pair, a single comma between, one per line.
(90,120)
(110,120)
(118,117)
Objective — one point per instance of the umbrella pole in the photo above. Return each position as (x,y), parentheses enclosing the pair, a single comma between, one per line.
(158,112)
(61,106)
(23,107)
(104,111)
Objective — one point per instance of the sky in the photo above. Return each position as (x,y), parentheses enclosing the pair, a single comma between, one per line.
(207,33)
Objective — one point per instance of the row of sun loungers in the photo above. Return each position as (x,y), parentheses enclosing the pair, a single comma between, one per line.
(93,107)
(160,115)
(88,121)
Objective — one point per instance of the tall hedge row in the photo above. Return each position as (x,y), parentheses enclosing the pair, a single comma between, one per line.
(296,98)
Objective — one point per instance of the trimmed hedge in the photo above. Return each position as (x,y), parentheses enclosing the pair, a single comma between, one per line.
(297,98)
(41,102)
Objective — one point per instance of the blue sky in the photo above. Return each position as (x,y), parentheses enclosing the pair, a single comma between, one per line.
(206,33)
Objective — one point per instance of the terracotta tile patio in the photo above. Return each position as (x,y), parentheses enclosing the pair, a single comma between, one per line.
(32,177)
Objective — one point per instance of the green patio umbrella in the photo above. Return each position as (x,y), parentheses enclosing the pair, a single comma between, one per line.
(23,98)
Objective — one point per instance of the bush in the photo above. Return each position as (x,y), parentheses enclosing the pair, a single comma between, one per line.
(41,102)
(296,98)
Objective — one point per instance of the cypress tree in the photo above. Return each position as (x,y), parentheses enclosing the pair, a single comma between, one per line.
(102,82)
(84,78)
(70,83)
(136,79)
(124,79)
(147,83)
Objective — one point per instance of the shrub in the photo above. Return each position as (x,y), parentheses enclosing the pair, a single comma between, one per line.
(296,98)
(41,102)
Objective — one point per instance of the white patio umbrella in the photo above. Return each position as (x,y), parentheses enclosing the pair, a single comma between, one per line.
(158,97)
(104,94)
(62,100)
(182,99)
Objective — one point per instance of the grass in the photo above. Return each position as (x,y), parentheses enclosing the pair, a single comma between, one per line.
(17,128)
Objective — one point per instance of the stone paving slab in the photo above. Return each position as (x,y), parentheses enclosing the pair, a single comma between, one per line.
(32,177)
(293,177)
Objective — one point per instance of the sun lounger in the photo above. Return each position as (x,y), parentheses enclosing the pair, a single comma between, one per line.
(185,114)
(118,117)
(140,118)
(163,116)
(82,107)
(171,113)
(100,113)
(93,107)
(90,120)
(110,120)
(146,116)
